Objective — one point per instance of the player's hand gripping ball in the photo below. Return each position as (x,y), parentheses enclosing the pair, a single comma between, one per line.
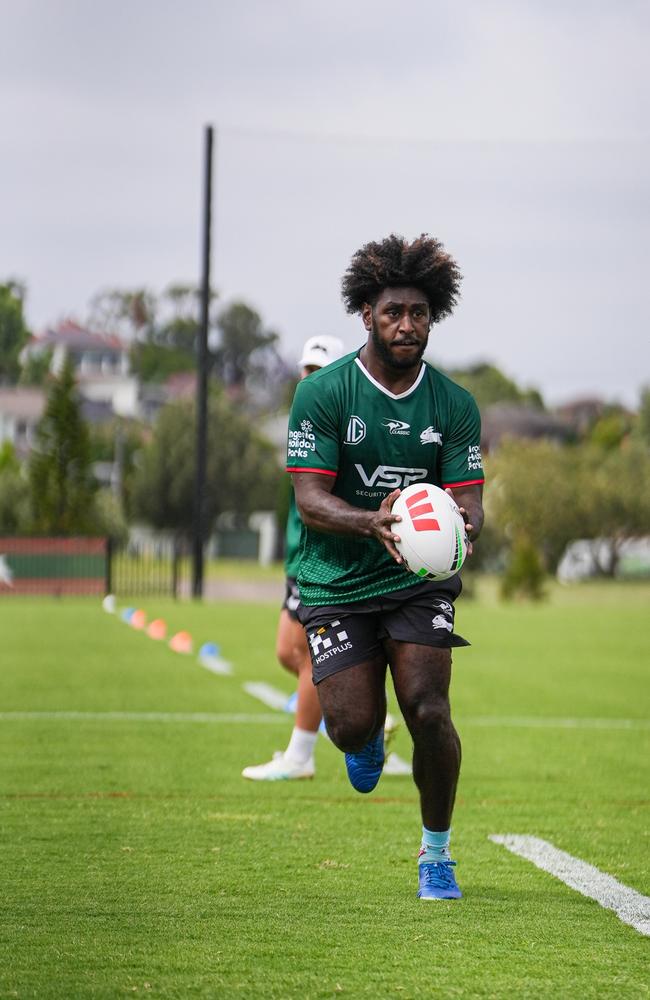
(433,541)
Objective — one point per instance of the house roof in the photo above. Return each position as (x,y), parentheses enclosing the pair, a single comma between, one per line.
(72,335)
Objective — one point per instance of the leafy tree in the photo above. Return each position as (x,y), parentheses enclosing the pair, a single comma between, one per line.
(36,369)
(247,349)
(242,470)
(611,428)
(488,385)
(524,574)
(129,312)
(13,331)
(61,482)
(15,512)
(642,430)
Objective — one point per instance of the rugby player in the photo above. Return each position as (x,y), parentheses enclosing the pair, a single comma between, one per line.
(297,761)
(360,430)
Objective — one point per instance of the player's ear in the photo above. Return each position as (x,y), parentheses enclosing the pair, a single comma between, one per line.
(366,315)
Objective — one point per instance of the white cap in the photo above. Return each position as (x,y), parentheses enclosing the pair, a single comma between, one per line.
(321,351)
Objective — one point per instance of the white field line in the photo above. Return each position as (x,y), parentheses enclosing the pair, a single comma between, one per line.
(629,905)
(542,722)
(215,665)
(266,694)
(217,718)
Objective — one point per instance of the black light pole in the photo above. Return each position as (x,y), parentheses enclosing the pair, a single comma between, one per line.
(202,379)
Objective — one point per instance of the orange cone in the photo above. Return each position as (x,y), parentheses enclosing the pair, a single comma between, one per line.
(157,629)
(181,642)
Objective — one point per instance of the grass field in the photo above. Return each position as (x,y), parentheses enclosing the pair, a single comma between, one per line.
(135,860)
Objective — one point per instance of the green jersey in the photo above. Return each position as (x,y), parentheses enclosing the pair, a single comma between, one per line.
(292,539)
(345,424)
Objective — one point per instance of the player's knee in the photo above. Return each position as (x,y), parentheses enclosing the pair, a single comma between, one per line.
(429,714)
(350,735)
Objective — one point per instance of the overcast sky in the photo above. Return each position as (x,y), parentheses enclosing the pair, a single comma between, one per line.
(516,132)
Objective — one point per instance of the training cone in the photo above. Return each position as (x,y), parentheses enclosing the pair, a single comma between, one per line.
(138,619)
(127,614)
(157,629)
(181,642)
(210,659)
(108,604)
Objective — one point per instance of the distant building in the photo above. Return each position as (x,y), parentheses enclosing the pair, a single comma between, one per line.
(100,360)
(20,411)
(503,420)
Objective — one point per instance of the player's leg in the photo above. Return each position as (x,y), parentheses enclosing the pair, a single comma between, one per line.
(297,760)
(421,676)
(354,707)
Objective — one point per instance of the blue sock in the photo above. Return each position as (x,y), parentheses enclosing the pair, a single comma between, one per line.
(435,846)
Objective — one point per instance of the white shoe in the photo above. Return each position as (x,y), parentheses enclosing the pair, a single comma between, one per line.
(395,766)
(391,725)
(279,769)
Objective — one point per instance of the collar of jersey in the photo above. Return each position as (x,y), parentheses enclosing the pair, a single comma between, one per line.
(382,388)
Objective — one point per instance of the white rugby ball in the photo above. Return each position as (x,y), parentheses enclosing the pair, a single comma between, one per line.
(432,533)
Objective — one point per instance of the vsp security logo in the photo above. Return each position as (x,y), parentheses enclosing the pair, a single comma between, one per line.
(396,426)
(390,477)
(356,430)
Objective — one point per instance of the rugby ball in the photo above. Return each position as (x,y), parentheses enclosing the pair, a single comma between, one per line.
(432,534)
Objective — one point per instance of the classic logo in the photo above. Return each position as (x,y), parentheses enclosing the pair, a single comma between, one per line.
(419,507)
(356,431)
(429,436)
(391,477)
(397,426)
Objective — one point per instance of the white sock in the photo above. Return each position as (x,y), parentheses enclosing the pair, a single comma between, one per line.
(301,745)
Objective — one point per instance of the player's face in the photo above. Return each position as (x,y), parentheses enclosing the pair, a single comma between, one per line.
(399,325)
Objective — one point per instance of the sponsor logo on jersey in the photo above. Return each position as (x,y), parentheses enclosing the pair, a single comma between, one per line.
(356,430)
(328,641)
(474,460)
(391,477)
(396,426)
(429,436)
(302,442)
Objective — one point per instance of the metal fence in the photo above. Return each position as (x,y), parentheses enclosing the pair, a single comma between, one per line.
(60,566)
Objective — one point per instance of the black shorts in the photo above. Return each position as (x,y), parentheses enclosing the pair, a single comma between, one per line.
(343,635)
(291,598)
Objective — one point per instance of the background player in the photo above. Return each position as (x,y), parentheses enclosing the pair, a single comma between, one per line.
(297,761)
(377,420)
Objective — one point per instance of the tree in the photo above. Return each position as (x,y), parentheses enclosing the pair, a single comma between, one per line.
(13,331)
(642,430)
(36,369)
(61,482)
(242,470)
(246,348)
(488,385)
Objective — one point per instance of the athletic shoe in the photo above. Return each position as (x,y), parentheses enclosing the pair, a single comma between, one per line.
(436,881)
(279,769)
(365,767)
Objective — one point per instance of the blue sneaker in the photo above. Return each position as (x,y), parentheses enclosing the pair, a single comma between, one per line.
(437,881)
(365,767)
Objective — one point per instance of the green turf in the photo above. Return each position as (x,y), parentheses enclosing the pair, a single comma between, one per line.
(135,860)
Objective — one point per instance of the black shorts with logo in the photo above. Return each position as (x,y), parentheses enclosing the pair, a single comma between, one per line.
(291,598)
(343,635)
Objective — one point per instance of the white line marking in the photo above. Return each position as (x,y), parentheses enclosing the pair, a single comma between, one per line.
(266,694)
(542,722)
(211,717)
(629,905)
(215,664)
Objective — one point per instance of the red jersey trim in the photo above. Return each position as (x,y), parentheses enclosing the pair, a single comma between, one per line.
(323,472)
(468,482)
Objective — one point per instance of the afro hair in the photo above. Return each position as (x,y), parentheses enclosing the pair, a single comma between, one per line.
(394,263)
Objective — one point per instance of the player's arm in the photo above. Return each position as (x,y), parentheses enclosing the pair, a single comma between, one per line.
(322,511)
(469,499)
